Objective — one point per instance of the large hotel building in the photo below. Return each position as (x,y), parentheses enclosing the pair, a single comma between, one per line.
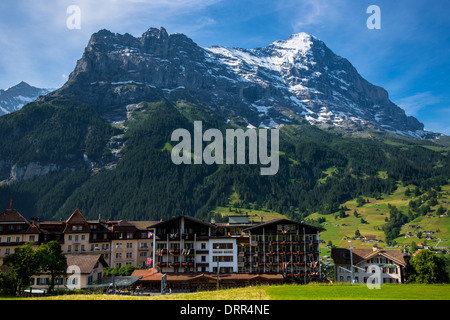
(181,245)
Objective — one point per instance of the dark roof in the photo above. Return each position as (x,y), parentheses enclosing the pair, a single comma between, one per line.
(52,226)
(282,221)
(12,215)
(342,255)
(33,229)
(76,217)
(195,220)
(85,262)
(153,275)
(143,225)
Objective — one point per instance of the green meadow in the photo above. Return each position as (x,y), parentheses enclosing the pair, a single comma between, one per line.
(290,292)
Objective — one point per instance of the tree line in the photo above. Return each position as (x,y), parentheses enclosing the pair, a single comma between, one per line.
(26,262)
(146,185)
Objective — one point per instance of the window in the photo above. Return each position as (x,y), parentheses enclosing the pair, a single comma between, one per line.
(129,245)
(222,246)
(119,245)
(8,239)
(83,237)
(143,245)
(70,237)
(31,238)
(43,281)
(129,255)
(203,246)
(77,228)
(223,258)
(118,255)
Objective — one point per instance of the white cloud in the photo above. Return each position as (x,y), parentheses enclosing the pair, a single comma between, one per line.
(37,46)
(413,104)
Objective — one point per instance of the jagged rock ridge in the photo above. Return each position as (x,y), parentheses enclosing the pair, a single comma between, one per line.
(299,80)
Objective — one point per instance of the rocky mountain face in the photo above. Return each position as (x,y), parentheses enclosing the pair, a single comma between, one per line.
(299,80)
(14,98)
(61,151)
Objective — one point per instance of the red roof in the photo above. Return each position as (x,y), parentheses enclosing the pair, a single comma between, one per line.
(152,275)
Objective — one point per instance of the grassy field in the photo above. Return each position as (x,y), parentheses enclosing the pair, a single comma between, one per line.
(340,230)
(254,215)
(291,292)
(369,220)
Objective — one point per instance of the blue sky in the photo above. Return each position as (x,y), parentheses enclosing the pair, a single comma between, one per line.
(408,56)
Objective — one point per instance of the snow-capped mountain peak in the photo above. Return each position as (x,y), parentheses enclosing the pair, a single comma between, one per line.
(297,41)
(14,98)
(289,81)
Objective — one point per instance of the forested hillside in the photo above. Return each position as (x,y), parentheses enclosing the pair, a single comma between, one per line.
(319,169)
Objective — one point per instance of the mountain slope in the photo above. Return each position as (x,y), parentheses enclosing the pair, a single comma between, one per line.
(14,98)
(145,184)
(318,85)
(294,81)
(101,143)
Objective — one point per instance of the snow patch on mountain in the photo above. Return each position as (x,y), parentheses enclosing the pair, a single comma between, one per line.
(14,98)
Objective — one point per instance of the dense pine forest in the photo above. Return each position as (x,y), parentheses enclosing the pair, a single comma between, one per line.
(319,168)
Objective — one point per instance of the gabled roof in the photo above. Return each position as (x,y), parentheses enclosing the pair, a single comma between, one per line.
(192,219)
(86,262)
(393,254)
(12,215)
(76,217)
(342,255)
(33,229)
